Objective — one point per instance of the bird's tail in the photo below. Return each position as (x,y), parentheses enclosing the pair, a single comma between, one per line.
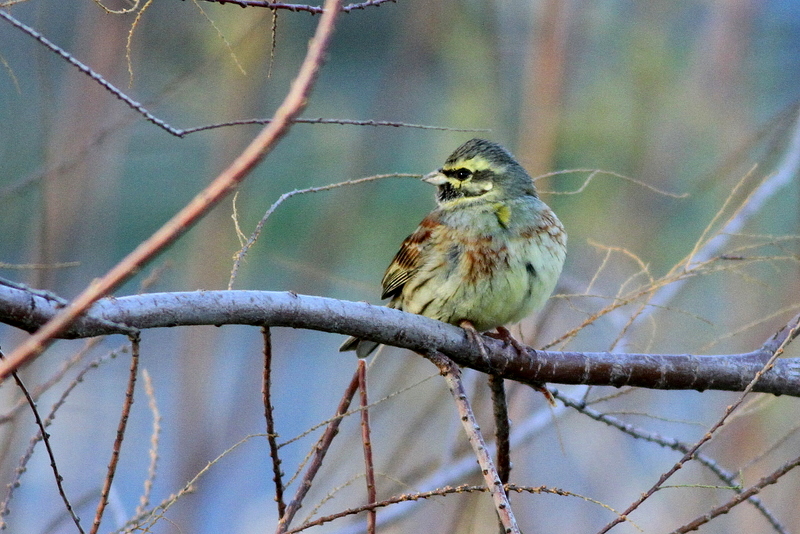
(362,347)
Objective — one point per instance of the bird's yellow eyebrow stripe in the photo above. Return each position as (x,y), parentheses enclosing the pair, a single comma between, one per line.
(474,164)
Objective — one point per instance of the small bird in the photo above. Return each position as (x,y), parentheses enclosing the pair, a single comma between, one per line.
(487,256)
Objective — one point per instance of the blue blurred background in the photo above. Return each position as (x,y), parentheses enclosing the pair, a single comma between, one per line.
(686,96)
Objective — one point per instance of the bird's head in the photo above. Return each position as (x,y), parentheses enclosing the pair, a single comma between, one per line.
(480,170)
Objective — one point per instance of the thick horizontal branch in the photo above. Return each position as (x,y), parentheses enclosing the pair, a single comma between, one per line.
(27,309)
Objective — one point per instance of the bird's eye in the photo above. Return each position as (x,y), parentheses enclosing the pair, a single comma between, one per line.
(463,174)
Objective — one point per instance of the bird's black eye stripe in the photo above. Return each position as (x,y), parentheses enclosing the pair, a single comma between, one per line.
(459,174)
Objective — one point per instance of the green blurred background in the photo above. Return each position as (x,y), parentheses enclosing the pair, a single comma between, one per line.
(686,96)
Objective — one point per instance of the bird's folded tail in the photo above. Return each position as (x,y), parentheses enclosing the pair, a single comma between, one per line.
(362,347)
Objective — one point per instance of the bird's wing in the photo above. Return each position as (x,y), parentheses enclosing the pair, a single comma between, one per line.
(409,258)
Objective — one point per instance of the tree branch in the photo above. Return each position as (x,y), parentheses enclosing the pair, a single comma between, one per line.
(293,104)
(28,310)
(452,375)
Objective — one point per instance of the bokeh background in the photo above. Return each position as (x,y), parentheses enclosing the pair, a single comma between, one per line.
(687,96)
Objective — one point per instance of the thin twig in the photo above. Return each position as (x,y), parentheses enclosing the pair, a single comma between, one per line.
(502,430)
(313,428)
(321,120)
(89,72)
(286,196)
(600,172)
(772,478)
(272,435)
(144,522)
(726,476)
(273,45)
(296,100)
(320,450)
(452,376)
(705,251)
(790,334)
(369,467)
(782,337)
(46,439)
(117,447)
(152,468)
(314,10)
(442,492)
(37,176)
(38,266)
(52,380)
(11,486)
(182,132)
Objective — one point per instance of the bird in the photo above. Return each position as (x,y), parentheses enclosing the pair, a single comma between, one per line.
(487,256)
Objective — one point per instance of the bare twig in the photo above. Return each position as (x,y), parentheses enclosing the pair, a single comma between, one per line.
(320,450)
(790,334)
(442,492)
(152,469)
(726,476)
(273,45)
(182,132)
(502,430)
(4,506)
(144,521)
(348,413)
(117,447)
(772,478)
(452,376)
(45,437)
(320,120)
(592,173)
(38,266)
(88,71)
(286,196)
(272,435)
(53,380)
(295,101)
(314,10)
(439,492)
(705,250)
(782,337)
(79,156)
(369,467)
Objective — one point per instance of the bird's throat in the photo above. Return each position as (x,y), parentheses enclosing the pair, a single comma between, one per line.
(448,193)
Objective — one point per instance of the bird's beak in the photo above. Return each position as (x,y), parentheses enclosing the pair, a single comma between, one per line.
(435,178)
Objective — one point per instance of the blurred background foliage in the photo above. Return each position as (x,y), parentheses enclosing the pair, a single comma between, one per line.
(687,96)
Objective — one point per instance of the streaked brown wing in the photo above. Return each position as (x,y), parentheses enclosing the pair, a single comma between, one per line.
(408,258)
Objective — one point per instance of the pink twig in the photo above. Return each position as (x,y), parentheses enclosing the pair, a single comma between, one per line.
(294,103)
(365,439)
(452,375)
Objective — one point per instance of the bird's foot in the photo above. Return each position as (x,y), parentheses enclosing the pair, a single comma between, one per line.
(505,336)
(475,337)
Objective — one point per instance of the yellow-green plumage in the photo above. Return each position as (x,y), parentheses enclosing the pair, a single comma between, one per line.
(490,253)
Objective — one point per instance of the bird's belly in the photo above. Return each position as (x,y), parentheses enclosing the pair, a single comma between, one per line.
(504,293)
